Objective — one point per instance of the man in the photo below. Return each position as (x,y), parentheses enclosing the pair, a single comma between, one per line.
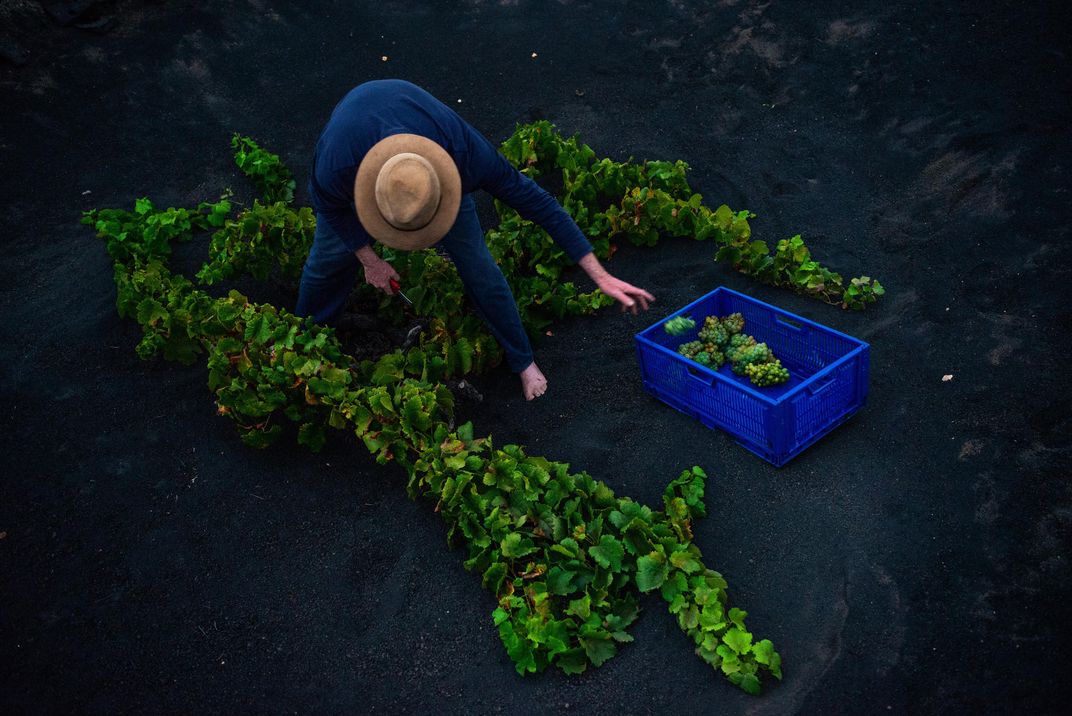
(396,165)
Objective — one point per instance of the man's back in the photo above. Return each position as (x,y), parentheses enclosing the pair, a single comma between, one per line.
(370,112)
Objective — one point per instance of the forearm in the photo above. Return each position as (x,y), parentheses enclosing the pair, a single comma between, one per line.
(535,204)
(593,268)
(367,256)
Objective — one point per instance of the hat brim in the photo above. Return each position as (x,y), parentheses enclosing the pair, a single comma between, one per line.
(450,192)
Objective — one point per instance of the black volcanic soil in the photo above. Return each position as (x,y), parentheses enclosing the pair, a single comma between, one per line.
(914,561)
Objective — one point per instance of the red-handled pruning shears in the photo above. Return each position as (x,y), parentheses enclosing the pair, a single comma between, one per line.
(414,333)
(397,288)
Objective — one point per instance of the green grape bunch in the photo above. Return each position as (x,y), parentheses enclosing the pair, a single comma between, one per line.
(690,349)
(746,356)
(714,332)
(738,343)
(716,359)
(722,340)
(766,374)
(733,323)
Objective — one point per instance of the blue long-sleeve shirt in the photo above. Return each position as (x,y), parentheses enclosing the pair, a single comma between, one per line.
(378,109)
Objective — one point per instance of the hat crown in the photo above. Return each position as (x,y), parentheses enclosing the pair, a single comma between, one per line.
(407,191)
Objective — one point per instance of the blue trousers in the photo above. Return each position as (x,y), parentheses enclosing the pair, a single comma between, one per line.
(332,269)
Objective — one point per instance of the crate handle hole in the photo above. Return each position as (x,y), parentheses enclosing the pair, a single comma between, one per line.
(787,323)
(701,376)
(822,385)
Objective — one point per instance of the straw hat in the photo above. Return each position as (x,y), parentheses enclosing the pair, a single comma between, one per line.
(407,192)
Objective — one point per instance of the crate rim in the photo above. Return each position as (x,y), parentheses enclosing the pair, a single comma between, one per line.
(861,346)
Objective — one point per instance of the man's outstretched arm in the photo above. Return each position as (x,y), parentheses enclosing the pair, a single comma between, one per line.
(504,182)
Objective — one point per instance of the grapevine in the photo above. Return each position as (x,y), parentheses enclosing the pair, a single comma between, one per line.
(564,556)
(656,200)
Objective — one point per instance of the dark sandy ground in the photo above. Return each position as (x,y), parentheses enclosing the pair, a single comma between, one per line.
(915,561)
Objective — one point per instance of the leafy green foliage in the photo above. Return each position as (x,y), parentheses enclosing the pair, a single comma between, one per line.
(259,239)
(147,232)
(267,172)
(641,202)
(652,570)
(564,556)
(862,291)
(679,325)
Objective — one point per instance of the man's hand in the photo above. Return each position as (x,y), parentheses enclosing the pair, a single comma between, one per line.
(378,272)
(625,293)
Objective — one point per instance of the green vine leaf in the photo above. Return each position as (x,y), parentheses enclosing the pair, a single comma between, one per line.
(608,553)
(599,650)
(651,571)
(738,640)
(515,546)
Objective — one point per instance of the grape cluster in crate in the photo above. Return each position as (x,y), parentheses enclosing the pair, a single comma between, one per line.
(721,341)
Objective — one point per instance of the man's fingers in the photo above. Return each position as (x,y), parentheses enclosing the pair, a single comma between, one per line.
(628,304)
(641,293)
(642,296)
(629,296)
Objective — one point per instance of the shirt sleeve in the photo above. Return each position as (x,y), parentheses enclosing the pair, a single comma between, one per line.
(345,225)
(499,178)
(334,207)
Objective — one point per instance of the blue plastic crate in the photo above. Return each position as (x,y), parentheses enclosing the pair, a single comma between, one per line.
(828,377)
